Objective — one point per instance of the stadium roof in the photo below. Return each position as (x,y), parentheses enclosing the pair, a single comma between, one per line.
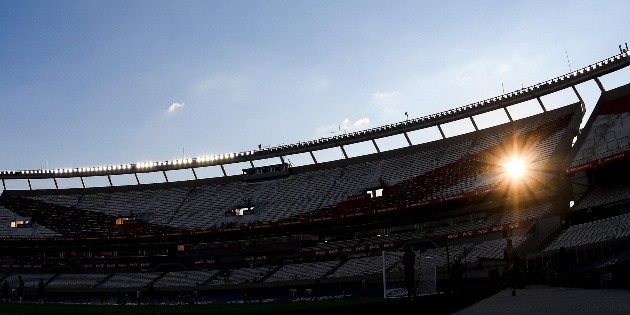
(503,101)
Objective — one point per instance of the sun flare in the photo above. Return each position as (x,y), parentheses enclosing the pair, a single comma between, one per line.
(515,167)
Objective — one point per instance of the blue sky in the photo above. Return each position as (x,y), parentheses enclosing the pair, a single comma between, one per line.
(87,83)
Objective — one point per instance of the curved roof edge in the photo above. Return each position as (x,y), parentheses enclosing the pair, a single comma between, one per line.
(571,79)
(574,110)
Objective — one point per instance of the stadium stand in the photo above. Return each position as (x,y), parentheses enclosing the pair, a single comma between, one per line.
(448,199)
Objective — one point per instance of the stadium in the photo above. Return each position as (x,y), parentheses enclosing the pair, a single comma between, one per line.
(263,230)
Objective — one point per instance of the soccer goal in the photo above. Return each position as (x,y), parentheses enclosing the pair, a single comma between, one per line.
(393,277)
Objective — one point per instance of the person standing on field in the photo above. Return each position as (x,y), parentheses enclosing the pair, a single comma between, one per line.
(511,257)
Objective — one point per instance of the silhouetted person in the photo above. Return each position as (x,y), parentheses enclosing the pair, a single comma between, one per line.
(316,289)
(409,272)
(151,293)
(458,274)
(41,287)
(563,267)
(138,296)
(5,291)
(363,287)
(510,255)
(20,289)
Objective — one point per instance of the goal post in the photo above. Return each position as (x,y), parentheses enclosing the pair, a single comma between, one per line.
(394,280)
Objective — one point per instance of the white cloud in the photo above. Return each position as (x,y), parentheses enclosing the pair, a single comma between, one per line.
(344,124)
(385,94)
(361,123)
(174,107)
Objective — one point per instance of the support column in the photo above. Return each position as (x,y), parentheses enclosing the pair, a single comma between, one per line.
(29,184)
(580,98)
(55,180)
(376,146)
(223,170)
(407,137)
(313,157)
(82,182)
(441,131)
(474,124)
(599,83)
(4,185)
(541,104)
(165,177)
(137,180)
(343,151)
(508,113)
(195,174)
(109,178)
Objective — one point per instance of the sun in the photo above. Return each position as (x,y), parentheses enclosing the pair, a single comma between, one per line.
(515,167)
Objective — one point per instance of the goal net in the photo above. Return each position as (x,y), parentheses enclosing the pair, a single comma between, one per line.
(394,280)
